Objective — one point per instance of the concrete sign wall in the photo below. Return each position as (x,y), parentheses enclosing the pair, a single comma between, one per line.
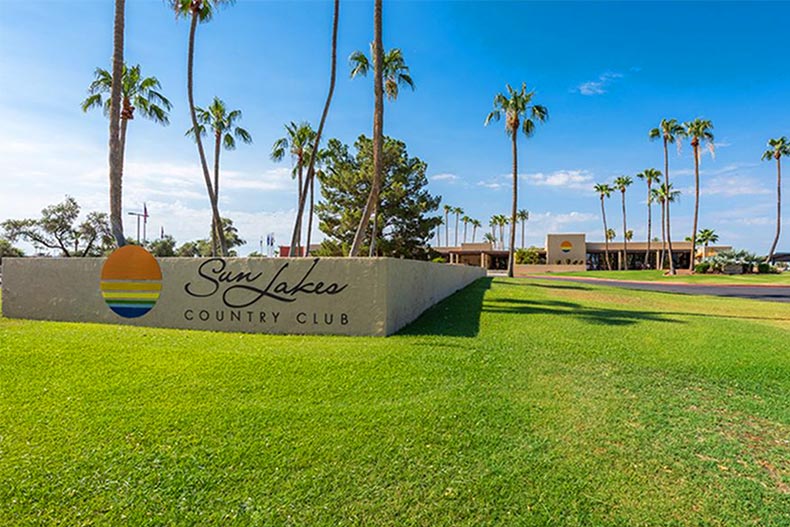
(343,296)
(565,249)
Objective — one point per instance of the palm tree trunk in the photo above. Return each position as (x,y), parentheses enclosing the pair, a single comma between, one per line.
(378,129)
(514,207)
(649,227)
(314,153)
(666,208)
(300,183)
(778,209)
(310,217)
(663,234)
(201,152)
(374,229)
(625,240)
(116,154)
(214,225)
(605,236)
(474,233)
(523,226)
(465,226)
(696,208)
(446,229)
(456,229)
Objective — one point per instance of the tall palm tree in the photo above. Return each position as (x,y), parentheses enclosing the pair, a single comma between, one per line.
(649,176)
(396,72)
(115,159)
(297,141)
(465,220)
(475,225)
(222,124)
(311,172)
(669,130)
(706,237)
(493,222)
(605,191)
(457,211)
(200,11)
(447,210)
(519,112)
(523,217)
(378,133)
(622,183)
(663,195)
(137,92)
(699,130)
(778,148)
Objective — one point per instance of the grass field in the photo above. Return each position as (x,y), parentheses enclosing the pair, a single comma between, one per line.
(511,403)
(658,276)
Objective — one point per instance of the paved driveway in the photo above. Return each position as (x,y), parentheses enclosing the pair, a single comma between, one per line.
(769,293)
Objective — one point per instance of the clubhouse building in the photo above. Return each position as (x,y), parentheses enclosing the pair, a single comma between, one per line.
(565,252)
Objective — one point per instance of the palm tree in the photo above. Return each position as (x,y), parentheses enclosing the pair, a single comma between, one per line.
(519,112)
(222,124)
(115,159)
(622,183)
(777,149)
(396,72)
(378,134)
(136,93)
(669,130)
(475,225)
(523,217)
(311,172)
(705,237)
(493,222)
(490,238)
(650,176)
(200,11)
(465,220)
(663,195)
(699,130)
(457,211)
(610,235)
(629,235)
(298,141)
(605,191)
(447,210)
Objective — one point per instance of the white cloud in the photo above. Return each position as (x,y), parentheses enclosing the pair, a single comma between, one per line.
(600,85)
(445,177)
(569,179)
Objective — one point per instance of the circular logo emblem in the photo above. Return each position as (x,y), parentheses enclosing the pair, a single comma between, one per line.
(131,281)
(566,246)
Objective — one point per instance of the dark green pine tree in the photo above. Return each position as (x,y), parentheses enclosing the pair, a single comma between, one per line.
(406,217)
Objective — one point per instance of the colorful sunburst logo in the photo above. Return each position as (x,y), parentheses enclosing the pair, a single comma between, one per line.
(566,246)
(131,281)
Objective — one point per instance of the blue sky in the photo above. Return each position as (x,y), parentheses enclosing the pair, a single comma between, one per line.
(608,72)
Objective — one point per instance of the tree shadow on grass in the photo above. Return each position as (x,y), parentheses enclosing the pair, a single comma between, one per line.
(592,315)
(456,316)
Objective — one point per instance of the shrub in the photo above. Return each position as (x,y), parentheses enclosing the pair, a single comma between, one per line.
(439,259)
(702,267)
(765,268)
(529,256)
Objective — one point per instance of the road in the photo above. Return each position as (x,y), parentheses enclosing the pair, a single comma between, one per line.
(767,292)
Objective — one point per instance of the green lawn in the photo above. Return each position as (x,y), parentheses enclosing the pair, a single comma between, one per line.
(658,276)
(512,403)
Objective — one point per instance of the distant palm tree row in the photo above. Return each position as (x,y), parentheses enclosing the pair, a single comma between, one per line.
(497,221)
(699,133)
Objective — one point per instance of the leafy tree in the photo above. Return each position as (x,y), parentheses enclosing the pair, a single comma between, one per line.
(163,247)
(622,183)
(405,219)
(222,124)
(200,11)
(529,256)
(699,130)
(777,148)
(59,229)
(605,191)
(7,249)
(649,176)
(519,112)
(669,131)
(191,249)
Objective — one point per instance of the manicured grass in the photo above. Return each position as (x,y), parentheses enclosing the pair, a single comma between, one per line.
(658,276)
(526,403)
